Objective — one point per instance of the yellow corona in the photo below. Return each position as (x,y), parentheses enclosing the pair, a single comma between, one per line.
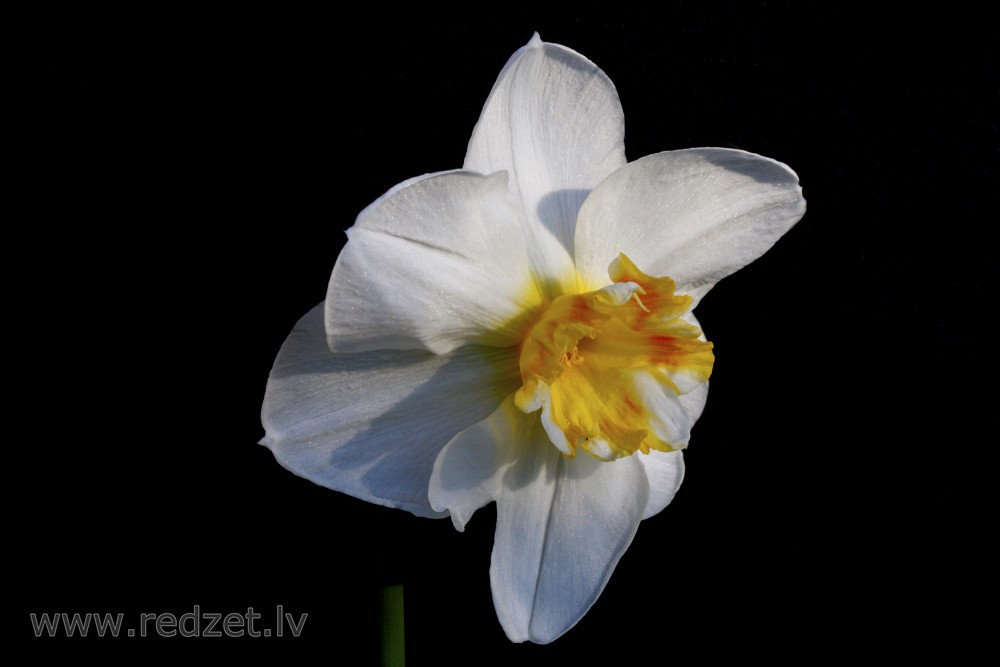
(595,362)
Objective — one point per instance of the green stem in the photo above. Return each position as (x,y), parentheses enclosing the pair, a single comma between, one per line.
(393,640)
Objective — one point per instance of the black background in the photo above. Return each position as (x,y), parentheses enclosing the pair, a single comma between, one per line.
(189,179)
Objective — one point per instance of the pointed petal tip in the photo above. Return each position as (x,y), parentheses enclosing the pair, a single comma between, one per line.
(458,517)
(535,42)
(501,176)
(457,521)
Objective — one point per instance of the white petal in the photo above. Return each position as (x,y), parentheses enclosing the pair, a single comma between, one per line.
(562,525)
(695,215)
(669,419)
(665,472)
(543,397)
(554,121)
(370,425)
(694,401)
(468,471)
(436,263)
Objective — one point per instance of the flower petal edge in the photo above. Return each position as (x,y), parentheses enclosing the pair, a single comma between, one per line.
(371,425)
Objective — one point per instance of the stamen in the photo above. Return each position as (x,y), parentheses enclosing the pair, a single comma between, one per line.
(635,295)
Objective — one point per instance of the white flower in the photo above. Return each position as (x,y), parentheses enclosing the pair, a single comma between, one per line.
(482,326)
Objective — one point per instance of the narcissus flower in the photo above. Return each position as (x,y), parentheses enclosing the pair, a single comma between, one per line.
(520,331)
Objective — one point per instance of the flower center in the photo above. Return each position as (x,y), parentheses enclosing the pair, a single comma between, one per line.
(602,366)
